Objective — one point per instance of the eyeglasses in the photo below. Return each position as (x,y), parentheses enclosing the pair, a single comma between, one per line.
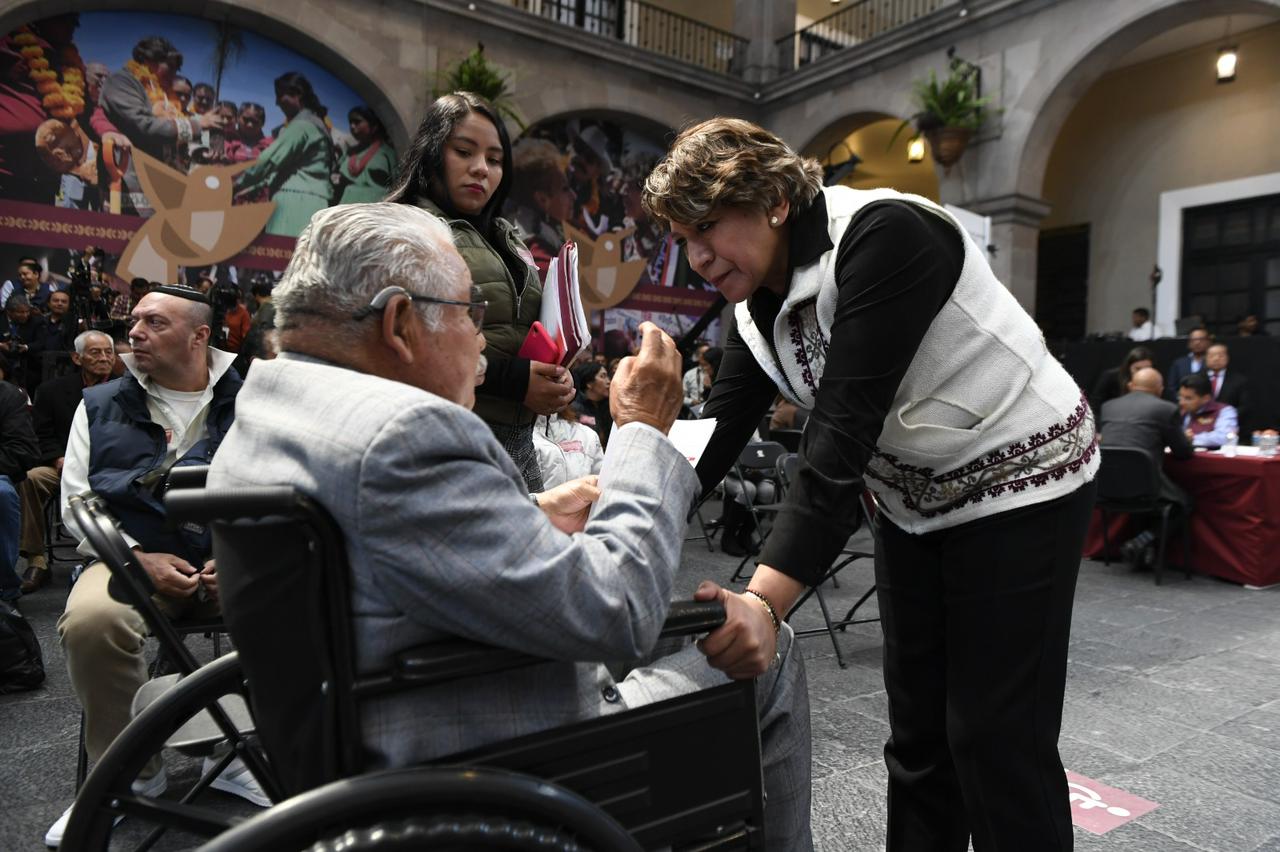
(476,306)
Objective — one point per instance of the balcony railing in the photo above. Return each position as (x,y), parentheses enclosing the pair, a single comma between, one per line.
(649,28)
(861,21)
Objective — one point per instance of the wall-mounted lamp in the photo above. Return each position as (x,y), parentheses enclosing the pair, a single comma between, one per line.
(1226,64)
(915,150)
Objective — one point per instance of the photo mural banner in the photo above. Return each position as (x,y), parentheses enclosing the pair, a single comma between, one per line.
(174,144)
(581,179)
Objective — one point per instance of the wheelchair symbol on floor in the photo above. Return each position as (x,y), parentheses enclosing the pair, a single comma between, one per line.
(1088,799)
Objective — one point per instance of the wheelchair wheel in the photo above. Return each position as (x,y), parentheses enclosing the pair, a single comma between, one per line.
(438,808)
(107,793)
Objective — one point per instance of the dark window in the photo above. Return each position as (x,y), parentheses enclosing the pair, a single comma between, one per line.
(1231,263)
(1062,282)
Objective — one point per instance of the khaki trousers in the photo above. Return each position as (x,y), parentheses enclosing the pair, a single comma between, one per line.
(41,485)
(103,641)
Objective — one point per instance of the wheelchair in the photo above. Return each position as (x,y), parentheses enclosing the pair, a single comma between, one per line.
(683,774)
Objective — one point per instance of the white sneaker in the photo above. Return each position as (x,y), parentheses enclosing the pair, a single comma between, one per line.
(237,780)
(153,786)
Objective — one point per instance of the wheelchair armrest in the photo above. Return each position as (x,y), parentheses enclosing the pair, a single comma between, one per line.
(436,662)
(689,617)
(188,476)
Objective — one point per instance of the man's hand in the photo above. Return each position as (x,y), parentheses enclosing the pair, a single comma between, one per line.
(171,575)
(211,119)
(647,387)
(567,505)
(550,388)
(209,578)
(58,462)
(744,646)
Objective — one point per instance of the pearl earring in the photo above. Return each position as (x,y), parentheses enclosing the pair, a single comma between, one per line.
(773,220)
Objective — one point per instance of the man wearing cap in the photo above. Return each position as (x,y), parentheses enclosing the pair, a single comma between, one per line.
(171,408)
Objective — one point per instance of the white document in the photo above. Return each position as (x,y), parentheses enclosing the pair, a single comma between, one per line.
(689,437)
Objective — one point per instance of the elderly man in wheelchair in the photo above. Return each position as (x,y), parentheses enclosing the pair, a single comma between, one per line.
(366,413)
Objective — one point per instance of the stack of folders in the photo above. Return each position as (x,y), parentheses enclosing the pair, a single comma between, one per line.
(561,333)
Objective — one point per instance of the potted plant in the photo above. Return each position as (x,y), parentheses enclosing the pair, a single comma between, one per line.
(949,112)
(473,73)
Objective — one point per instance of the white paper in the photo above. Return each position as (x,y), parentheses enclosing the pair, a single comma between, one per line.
(689,437)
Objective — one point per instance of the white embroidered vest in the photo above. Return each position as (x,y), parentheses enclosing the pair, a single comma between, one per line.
(985,420)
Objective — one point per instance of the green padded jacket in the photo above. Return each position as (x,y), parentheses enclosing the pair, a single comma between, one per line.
(507,320)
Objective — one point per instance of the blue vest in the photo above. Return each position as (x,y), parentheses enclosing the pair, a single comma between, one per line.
(126,461)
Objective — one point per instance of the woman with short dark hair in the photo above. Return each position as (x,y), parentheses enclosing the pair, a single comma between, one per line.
(930,385)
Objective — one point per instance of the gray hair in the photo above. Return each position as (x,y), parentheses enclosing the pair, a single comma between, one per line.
(82,340)
(350,252)
(17,300)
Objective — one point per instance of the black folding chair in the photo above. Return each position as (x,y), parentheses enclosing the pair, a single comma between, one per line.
(869,509)
(1129,483)
(285,584)
(760,457)
(195,729)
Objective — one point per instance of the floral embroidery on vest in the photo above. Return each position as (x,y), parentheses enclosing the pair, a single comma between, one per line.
(808,345)
(1043,457)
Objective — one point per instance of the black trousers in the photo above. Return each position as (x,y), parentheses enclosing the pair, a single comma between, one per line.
(976,622)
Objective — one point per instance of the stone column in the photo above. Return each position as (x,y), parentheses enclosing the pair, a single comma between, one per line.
(763,23)
(1015,233)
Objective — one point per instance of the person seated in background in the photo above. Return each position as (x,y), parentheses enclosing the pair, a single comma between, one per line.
(23,334)
(1249,326)
(1193,362)
(1142,419)
(787,415)
(18,452)
(172,408)
(567,449)
(1143,328)
(1230,387)
(30,283)
(1114,382)
(542,198)
(55,407)
(1206,422)
(443,540)
(61,325)
(592,402)
(695,377)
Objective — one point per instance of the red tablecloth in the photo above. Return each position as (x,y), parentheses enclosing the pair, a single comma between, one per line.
(1235,527)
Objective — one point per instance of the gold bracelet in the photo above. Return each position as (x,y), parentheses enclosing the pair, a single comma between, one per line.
(773,613)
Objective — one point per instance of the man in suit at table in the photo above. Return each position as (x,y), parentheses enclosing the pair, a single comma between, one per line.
(1142,419)
(1205,421)
(1193,362)
(1229,387)
(367,410)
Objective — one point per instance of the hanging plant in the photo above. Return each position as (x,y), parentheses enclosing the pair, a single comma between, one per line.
(949,112)
(474,73)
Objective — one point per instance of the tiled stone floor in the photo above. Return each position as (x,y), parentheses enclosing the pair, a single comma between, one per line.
(1173,695)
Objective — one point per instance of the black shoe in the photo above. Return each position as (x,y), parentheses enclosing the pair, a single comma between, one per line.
(35,578)
(731,546)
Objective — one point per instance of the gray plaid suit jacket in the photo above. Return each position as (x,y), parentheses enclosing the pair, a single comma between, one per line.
(443,541)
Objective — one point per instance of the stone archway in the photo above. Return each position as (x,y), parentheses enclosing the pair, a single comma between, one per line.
(1056,92)
(872,135)
(1004,175)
